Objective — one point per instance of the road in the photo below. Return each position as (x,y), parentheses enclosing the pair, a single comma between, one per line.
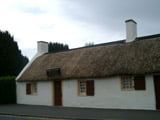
(40,112)
(13,117)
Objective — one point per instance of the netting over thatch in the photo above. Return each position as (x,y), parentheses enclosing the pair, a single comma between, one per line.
(139,57)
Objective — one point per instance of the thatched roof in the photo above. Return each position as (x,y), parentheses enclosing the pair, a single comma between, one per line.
(118,58)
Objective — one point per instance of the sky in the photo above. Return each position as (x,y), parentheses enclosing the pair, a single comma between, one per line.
(75,22)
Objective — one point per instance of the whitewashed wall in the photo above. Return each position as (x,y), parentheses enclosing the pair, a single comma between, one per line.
(108,94)
(44,94)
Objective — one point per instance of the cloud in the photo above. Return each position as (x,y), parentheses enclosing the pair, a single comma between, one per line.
(33,10)
(111,14)
(75,22)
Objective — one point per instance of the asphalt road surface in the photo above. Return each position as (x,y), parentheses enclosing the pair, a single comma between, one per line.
(13,117)
(21,112)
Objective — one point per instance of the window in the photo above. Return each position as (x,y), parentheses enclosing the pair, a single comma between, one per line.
(53,72)
(86,87)
(82,88)
(127,83)
(31,88)
(133,83)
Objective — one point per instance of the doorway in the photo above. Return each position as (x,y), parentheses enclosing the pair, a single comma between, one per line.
(157,90)
(58,93)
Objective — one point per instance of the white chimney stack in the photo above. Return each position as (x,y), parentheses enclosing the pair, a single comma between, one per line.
(42,47)
(131,30)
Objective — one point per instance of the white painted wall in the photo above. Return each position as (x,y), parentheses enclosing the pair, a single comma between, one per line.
(44,94)
(108,94)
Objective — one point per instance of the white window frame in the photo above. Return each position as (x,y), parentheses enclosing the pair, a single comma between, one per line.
(127,83)
(82,87)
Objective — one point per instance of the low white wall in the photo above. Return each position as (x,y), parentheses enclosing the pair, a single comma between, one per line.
(44,94)
(108,94)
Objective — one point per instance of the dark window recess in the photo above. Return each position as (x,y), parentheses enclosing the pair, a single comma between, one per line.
(28,88)
(139,83)
(90,87)
(53,72)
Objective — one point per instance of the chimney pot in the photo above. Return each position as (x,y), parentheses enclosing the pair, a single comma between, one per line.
(131,30)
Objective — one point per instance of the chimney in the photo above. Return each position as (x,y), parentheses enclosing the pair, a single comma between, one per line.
(42,47)
(131,30)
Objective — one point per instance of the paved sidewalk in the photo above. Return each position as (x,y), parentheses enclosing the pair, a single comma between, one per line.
(78,113)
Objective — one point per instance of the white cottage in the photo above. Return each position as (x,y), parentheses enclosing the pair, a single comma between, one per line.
(123,74)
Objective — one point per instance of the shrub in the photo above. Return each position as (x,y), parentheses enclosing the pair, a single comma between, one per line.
(7,90)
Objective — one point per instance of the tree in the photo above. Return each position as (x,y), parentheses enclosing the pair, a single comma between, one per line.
(11,59)
(57,47)
(89,44)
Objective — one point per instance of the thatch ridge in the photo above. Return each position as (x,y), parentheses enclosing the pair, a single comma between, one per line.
(139,57)
(148,37)
(96,45)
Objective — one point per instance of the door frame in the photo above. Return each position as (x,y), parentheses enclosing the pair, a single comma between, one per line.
(54,90)
(155,88)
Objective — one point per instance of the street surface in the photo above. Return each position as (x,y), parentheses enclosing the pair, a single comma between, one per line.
(20,112)
(13,117)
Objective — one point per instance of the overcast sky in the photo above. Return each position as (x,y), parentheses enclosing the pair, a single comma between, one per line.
(75,22)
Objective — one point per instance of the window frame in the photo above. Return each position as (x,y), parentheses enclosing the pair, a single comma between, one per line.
(79,89)
(32,88)
(138,83)
(89,88)
(123,78)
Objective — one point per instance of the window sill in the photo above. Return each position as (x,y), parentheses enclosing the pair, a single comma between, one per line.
(82,95)
(32,95)
(127,90)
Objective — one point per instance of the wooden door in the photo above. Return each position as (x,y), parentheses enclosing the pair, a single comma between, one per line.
(57,93)
(157,90)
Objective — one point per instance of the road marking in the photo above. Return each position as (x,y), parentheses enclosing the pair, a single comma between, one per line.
(29,117)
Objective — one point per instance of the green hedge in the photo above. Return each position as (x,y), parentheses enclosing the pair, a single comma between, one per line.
(7,90)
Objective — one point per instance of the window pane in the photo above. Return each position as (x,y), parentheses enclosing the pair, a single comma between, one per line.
(82,87)
(127,83)
(28,88)
(34,88)
(31,88)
